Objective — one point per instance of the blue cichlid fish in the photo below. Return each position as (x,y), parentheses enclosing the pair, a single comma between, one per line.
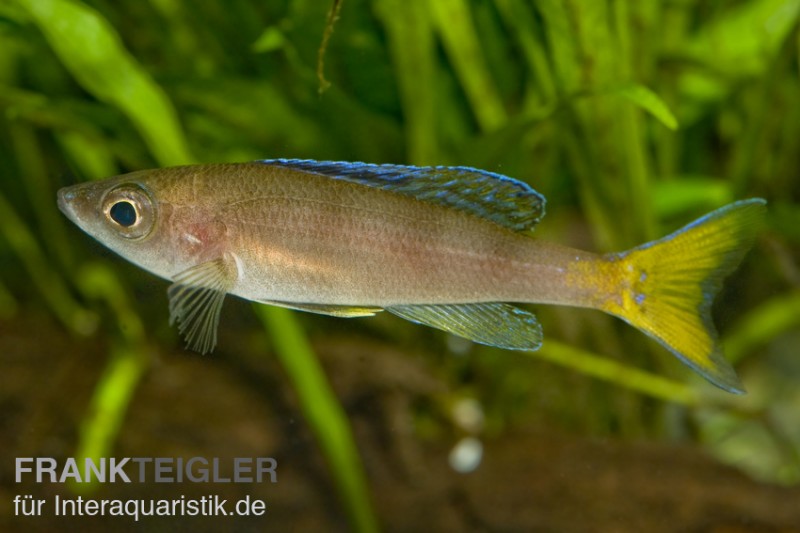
(440,246)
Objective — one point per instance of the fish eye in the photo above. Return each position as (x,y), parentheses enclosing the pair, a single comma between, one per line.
(123,213)
(129,210)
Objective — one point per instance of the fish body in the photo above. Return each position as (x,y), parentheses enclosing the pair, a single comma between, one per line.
(447,247)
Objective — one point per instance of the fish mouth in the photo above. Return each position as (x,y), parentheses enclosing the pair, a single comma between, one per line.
(66,198)
(77,201)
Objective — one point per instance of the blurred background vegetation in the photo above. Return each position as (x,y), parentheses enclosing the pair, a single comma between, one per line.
(632,118)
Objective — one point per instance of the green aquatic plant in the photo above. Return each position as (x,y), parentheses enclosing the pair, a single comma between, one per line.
(633,118)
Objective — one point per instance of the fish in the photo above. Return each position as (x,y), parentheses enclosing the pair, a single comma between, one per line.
(450,247)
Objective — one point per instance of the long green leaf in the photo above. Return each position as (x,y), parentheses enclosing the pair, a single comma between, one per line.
(650,102)
(109,404)
(127,365)
(617,373)
(454,23)
(325,415)
(91,50)
(410,32)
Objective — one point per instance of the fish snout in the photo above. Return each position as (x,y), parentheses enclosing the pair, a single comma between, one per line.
(74,201)
(66,197)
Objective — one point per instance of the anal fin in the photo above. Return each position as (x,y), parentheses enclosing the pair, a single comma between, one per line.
(343,311)
(492,324)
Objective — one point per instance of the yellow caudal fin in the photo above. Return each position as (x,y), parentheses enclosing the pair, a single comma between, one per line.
(668,286)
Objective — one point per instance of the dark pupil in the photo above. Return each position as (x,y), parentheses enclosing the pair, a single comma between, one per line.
(123,213)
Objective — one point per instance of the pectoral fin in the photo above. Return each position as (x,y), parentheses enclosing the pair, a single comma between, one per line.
(195,301)
(493,324)
(331,310)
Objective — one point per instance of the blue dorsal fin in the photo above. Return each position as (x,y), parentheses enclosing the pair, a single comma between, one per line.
(503,200)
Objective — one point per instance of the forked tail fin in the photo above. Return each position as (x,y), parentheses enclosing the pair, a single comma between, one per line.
(668,286)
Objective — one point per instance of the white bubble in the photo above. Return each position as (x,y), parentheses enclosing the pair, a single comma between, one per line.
(466,455)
